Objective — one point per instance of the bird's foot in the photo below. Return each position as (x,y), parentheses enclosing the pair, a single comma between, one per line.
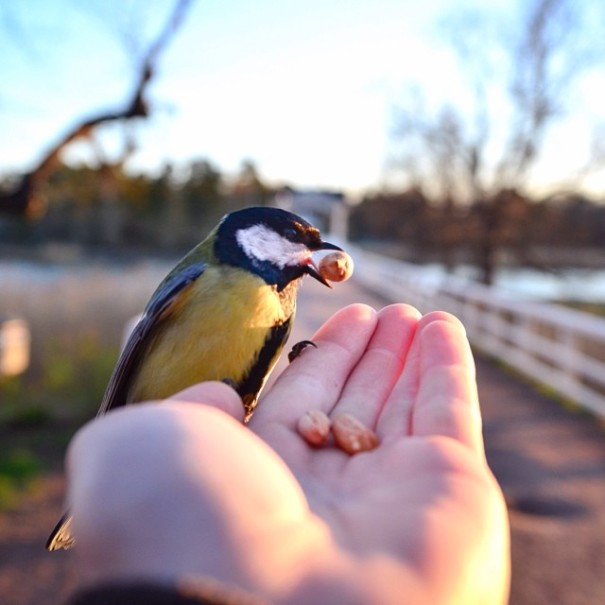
(298,348)
(230,383)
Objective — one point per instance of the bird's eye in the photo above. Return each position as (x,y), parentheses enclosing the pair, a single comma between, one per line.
(291,232)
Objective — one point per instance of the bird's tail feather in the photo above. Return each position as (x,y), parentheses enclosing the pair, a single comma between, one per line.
(61,537)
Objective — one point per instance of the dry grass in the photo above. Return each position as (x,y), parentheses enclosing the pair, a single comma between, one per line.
(59,302)
(76,316)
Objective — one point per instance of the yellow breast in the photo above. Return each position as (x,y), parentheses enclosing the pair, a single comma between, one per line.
(214,331)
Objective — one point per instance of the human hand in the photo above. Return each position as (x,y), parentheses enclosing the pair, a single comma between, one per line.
(174,490)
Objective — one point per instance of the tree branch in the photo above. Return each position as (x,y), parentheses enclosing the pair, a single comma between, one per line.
(26,198)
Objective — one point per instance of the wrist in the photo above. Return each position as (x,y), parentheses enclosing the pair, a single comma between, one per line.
(197,591)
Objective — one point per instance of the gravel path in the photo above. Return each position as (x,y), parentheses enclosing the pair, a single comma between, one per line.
(549,461)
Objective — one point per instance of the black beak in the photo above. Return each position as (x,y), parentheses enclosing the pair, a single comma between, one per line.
(311,268)
(329,246)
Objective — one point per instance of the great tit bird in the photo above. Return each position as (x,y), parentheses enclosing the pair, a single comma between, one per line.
(223,313)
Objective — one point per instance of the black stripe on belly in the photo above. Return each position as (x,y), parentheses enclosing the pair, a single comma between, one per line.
(250,386)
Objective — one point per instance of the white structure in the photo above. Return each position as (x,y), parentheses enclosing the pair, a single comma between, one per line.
(328,210)
(14,347)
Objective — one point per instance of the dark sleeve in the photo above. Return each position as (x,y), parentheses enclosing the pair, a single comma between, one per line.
(148,593)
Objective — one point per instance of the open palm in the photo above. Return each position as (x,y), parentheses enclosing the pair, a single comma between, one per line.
(424,496)
(418,519)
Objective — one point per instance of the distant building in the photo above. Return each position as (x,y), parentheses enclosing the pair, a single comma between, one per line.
(328,210)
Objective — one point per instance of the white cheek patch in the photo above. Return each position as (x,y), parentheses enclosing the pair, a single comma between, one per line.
(262,243)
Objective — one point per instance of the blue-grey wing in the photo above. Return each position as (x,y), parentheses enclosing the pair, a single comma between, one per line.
(116,394)
(159,306)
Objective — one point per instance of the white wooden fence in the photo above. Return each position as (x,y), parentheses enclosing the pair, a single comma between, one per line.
(559,347)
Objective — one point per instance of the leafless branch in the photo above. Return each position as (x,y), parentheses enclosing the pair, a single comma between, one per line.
(26,199)
(536,89)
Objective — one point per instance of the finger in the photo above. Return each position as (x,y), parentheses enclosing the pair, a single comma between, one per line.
(447,403)
(395,416)
(373,378)
(315,380)
(215,394)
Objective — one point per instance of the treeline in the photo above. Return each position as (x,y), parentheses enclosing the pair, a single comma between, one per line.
(524,231)
(111,209)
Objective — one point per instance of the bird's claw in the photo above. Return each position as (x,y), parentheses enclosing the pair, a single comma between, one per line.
(230,383)
(298,348)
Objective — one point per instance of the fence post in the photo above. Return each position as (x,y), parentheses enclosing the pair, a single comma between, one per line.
(14,346)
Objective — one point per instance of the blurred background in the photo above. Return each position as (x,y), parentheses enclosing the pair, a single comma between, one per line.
(463,138)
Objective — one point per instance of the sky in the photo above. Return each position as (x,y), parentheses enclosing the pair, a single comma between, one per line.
(306,90)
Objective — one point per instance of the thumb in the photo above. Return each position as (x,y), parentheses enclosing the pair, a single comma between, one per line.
(215,394)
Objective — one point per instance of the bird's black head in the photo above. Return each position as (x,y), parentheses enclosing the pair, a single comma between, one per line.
(270,242)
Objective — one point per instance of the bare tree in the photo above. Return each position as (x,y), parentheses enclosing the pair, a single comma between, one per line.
(26,198)
(484,155)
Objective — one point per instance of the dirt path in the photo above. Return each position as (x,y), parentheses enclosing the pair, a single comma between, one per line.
(549,461)
(28,574)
